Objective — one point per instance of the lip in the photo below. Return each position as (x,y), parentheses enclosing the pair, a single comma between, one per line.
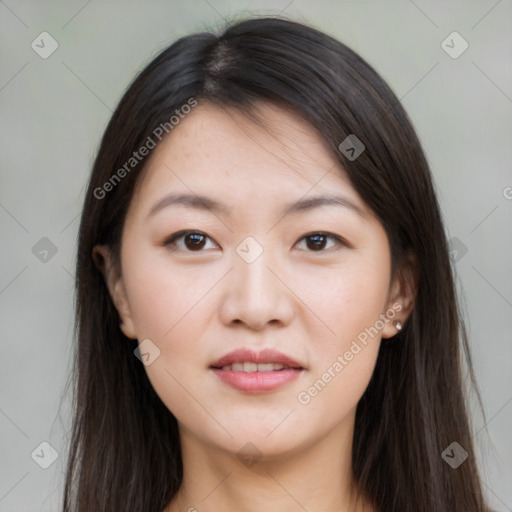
(265,356)
(257,382)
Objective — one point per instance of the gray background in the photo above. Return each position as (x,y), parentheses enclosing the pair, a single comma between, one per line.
(54,111)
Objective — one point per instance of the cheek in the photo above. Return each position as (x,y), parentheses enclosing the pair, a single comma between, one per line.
(350,300)
(350,303)
(164,298)
(172,307)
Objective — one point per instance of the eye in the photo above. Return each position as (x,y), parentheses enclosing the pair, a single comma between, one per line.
(191,241)
(318,242)
(196,241)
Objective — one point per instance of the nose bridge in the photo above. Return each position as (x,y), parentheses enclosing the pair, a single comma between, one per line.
(253,277)
(255,295)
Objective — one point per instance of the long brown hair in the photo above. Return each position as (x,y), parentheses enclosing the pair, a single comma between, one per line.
(125,449)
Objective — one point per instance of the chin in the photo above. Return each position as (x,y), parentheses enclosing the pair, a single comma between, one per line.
(256,440)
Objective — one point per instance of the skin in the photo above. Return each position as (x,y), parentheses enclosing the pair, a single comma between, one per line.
(197,305)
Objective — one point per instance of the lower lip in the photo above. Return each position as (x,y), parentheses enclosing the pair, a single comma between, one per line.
(257,382)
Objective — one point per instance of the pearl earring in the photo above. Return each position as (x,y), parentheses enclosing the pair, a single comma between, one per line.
(398,325)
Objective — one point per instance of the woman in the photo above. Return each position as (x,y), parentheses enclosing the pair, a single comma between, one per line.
(266,314)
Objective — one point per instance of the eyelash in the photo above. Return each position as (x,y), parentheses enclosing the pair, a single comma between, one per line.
(182,234)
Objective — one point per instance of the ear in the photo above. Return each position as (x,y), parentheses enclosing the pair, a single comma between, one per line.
(103,260)
(402,294)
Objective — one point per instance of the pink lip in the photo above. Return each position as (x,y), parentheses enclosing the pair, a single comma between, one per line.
(265,356)
(256,382)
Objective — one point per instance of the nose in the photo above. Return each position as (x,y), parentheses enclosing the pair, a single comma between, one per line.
(255,294)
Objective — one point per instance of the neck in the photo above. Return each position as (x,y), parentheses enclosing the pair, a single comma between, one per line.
(310,478)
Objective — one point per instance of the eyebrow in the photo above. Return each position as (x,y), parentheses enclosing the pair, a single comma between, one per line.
(206,203)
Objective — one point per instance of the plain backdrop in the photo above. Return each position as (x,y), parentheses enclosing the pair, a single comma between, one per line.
(54,111)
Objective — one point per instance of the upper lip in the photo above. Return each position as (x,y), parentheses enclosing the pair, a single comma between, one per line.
(265,356)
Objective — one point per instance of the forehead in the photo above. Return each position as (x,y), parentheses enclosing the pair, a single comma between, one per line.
(222,152)
(228,134)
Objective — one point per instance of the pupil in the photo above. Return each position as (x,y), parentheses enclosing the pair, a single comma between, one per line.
(198,241)
(318,241)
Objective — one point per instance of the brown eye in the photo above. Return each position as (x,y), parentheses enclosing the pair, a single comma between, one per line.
(191,241)
(318,242)
(194,241)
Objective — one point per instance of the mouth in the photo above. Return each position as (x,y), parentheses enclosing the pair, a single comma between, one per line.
(254,372)
(249,367)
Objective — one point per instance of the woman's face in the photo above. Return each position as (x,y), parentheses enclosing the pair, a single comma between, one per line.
(262,324)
